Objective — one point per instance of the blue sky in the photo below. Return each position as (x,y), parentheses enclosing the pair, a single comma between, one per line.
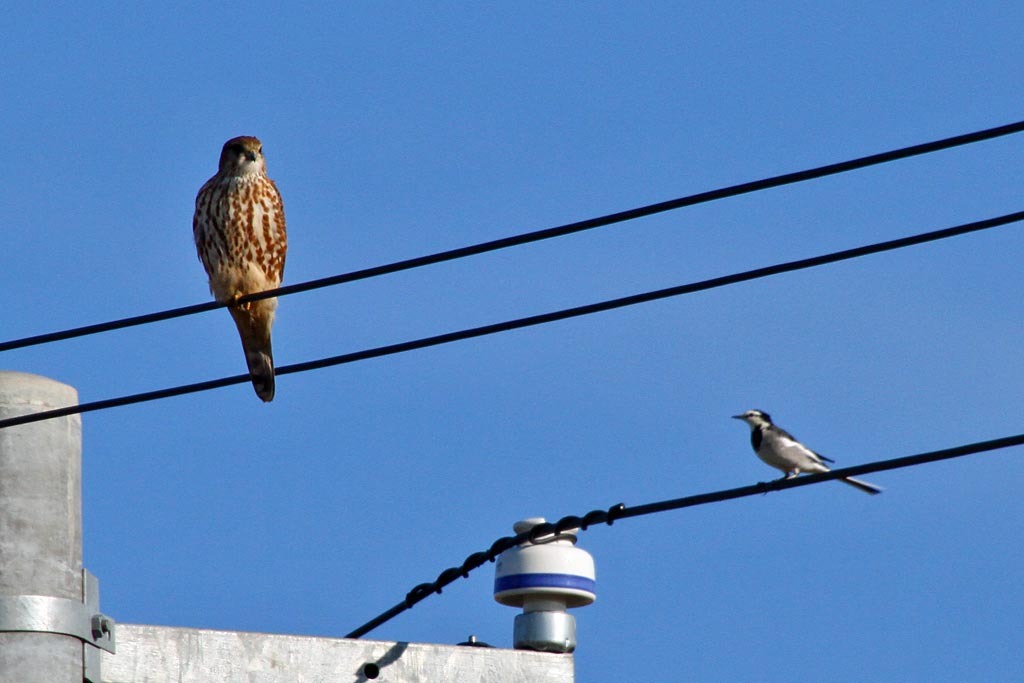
(400,129)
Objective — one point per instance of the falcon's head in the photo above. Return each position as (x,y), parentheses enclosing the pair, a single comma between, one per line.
(243,156)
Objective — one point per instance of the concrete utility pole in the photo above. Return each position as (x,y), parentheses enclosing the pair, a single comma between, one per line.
(40,523)
(44,619)
(51,630)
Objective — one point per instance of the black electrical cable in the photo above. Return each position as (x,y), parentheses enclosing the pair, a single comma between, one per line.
(620,511)
(528,321)
(536,236)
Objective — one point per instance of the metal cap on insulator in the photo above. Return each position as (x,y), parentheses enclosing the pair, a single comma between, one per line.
(545,577)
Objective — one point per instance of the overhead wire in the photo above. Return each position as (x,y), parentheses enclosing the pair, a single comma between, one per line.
(619,512)
(616,512)
(535,236)
(532,320)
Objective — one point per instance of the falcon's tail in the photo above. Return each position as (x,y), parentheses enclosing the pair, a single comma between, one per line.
(862,485)
(261,369)
(253,322)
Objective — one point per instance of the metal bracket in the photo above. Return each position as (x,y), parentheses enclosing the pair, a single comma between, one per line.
(79,619)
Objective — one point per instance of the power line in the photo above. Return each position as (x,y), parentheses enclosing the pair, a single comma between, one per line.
(529,321)
(620,511)
(535,236)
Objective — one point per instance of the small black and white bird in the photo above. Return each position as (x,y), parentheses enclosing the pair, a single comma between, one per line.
(777,447)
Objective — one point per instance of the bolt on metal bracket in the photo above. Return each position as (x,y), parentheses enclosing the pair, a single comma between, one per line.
(79,619)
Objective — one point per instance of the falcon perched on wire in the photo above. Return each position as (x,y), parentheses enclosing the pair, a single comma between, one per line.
(240,236)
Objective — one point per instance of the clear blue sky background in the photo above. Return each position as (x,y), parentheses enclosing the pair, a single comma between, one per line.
(399,129)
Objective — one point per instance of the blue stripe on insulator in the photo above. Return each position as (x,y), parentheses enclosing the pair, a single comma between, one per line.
(516,581)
